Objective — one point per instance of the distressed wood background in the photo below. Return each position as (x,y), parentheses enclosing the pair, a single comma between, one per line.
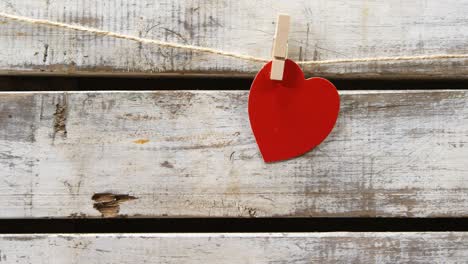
(320,30)
(340,247)
(192,154)
(137,154)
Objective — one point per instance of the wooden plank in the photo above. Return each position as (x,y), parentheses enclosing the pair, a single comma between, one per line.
(340,247)
(320,30)
(192,154)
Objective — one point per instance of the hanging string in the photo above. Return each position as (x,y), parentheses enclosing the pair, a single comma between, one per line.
(216,51)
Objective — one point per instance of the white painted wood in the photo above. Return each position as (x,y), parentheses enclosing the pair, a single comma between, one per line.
(192,153)
(340,247)
(320,30)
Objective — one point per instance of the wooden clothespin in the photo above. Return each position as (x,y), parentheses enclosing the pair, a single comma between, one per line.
(280,47)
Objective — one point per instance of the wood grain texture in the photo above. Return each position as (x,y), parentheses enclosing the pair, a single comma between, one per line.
(320,30)
(192,154)
(337,247)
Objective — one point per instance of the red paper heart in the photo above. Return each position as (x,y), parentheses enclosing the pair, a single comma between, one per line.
(292,116)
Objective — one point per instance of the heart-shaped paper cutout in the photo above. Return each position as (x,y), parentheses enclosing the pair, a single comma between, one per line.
(292,116)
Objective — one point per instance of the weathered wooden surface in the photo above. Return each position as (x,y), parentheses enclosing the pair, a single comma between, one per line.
(184,153)
(236,248)
(320,30)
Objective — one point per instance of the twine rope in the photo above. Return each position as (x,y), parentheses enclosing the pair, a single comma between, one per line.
(216,51)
